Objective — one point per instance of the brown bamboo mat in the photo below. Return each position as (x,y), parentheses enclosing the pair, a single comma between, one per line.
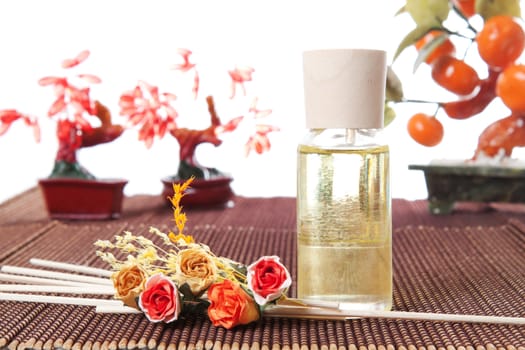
(28,208)
(450,269)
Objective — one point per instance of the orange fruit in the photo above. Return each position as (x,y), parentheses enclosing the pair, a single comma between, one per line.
(425,129)
(500,41)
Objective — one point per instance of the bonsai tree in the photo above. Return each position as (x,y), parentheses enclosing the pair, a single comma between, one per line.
(157,113)
(81,121)
(489,32)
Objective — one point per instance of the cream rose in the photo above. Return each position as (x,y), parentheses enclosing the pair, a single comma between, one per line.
(196,268)
(129,283)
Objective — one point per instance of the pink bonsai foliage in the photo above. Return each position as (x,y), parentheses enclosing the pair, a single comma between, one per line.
(9,116)
(239,76)
(152,111)
(259,141)
(73,109)
(187,66)
(155,113)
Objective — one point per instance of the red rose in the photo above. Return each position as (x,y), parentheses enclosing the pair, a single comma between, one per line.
(160,299)
(268,279)
(230,305)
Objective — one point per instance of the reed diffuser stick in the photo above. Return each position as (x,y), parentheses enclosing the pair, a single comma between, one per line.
(58,289)
(51,299)
(87,270)
(54,275)
(342,314)
(39,280)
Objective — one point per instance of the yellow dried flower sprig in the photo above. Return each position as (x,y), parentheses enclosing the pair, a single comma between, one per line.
(178,216)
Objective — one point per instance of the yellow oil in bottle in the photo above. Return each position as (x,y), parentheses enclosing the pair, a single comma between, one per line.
(344,226)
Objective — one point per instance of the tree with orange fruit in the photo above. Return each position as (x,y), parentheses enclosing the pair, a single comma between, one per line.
(495,30)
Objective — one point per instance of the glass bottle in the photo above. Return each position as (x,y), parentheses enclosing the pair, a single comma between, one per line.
(344,222)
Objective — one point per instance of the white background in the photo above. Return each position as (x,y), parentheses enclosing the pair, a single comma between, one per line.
(132,40)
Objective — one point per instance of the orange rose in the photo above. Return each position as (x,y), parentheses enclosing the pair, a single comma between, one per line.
(128,283)
(230,305)
(196,268)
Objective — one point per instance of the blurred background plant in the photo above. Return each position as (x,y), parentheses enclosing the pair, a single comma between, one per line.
(156,113)
(80,120)
(471,50)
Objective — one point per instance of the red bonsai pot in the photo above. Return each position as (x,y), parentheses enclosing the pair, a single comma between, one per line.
(80,199)
(202,192)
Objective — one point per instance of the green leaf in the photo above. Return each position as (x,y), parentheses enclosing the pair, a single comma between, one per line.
(394,88)
(428,48)
(411,38)
(192,308)
(241,269)
(187,295)
(428,12)
(490,8)
(389,115)
(400,11)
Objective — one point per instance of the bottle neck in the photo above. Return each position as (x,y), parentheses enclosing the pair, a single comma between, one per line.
(337,138)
